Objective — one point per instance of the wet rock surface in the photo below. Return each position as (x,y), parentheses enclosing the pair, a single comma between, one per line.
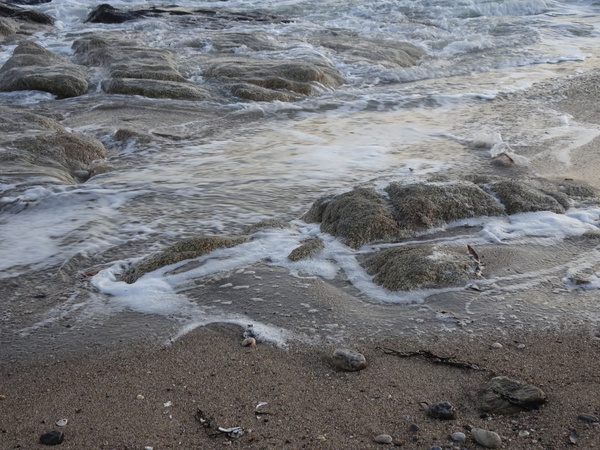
(308,249)
(32,67)
(503,395)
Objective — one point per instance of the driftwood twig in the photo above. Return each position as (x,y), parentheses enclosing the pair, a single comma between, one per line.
(448,360)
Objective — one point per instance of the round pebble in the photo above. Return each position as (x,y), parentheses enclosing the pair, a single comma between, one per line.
(414,427)
(523,433)
(53,437)
(442,411)
(249,342)
(496,345)
(349,360)
(458,437)
(384,439)
(486,438)
(435,447)
(520,346)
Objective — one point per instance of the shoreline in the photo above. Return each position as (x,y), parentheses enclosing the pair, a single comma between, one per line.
(117,399)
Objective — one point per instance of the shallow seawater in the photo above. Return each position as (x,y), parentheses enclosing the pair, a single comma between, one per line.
(257,161)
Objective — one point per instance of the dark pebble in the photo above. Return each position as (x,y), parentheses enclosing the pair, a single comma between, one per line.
(436,447)
(485,416)
(53,437)
(442,411)
(588,418)
(414,427)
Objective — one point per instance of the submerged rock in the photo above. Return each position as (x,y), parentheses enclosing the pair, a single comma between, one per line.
(266,224)
(311,247)
(360,216)
(419,267)
(517,197)
(426,205)
(185,249)
(267,80)
(349,360)
(32,67)
(24,14)
(503,395)
(155,89)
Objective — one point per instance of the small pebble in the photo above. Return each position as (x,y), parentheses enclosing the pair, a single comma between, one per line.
(414,427)
(140,397)
(435,447)
(523,433)
(53,437)
(2,397)
(486,438)
(349,360)
(458,437)
(249,342)
(384,439)
(496,345)
(442,411)
(520,346)
(588,418)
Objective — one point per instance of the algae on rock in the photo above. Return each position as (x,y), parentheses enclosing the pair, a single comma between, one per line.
(419,267)
(311,247)
(185,249)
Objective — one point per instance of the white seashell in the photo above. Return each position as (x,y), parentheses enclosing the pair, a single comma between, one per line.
(140,397)
(62,422)
(167,404)
(486,438)
(249,342)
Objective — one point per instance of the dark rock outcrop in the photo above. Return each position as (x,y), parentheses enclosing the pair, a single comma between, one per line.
(23,14)
(155,89)
(32,67)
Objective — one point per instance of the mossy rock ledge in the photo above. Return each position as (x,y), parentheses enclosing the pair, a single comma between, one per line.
(185,249)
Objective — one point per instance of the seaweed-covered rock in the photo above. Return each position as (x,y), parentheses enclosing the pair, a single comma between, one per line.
(518,197)
(359,216)
(426,205)
(503,395)
(155,89)
(310,247)
(185,249)
(32,67)
(280,80)
(419,267)
(266,224)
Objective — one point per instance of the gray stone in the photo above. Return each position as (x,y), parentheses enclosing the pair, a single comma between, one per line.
(588,418)
(349,360)
(155,89)
(383,439)
(503,395)
(458,436)
(486,438)
(442,411)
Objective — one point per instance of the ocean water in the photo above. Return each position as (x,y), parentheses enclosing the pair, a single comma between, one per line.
(387,123)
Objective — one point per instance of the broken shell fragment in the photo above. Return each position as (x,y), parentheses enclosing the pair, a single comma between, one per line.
(233,432)
(62,422)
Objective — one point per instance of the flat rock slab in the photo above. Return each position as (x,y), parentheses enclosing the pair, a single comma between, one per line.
(503,395)
(32,67)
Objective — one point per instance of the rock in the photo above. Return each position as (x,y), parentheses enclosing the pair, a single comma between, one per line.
(486,438)
(414,428)
(155,89)
(355,49)
(310,248)
(503,395)
(383,439)
(421,206)
(349,360)
(497,345)
(249,342)
(53,437)
(185,249)
(31,67)
(458,437)
(520,346)
(435,447)
(294,79)
(24,14)
(442,411)
(523,433)
(8,26)
(105,13)
(359,216)
(419,267)
(573,437)
(588,418)
(267,224)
